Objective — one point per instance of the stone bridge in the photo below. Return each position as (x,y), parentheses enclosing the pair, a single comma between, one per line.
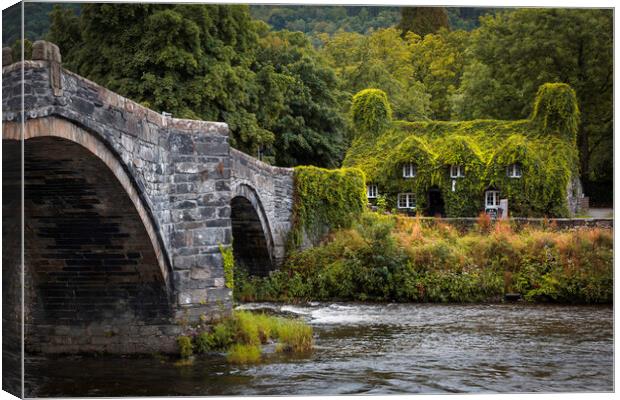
(125,214)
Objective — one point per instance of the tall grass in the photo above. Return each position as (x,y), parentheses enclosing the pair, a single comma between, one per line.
(394,258)
(241,336)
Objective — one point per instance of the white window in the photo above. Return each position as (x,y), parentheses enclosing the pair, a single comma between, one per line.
(514,170)
(491,199)
(406,200)
(457,171)
(371,191)
(409,170)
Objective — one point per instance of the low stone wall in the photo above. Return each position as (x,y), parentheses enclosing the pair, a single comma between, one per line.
(519,223)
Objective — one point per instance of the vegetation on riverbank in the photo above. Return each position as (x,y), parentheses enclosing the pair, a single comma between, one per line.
(394,258)
(242,335)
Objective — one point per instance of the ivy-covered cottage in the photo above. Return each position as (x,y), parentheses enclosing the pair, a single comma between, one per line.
(459,169)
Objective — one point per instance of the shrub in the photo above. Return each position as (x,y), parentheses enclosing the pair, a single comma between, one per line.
(220,338)
(395,258)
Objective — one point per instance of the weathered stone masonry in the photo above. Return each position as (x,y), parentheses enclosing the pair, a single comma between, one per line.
(125,212)
(267,192)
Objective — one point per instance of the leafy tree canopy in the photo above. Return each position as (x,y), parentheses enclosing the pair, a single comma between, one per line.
(423,20)
(513,53)
(211,62)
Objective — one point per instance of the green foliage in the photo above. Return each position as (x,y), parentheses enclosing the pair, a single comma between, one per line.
(65,31)
(382,204)
(228,261)
(513,53)
(314,20)
(423,20)
(371,111)
(294,336)
(387,258)
(300,97)
(382,60)
(243,354)
(438,62)
(212,62)
(324,200)
(242,335)
(222,336)
(17,50)
(36,20)
(485,148)
(186,348)
(556,111)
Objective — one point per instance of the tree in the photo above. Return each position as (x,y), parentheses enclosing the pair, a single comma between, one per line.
(191,60)
(381,60)
(423,20)
(514,53)
(301,97)
(438,61)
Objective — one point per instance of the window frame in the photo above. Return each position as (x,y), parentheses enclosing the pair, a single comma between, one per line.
(460,171)
(410,201)
(369,194)
(413,169)
(495,198)
(511,171)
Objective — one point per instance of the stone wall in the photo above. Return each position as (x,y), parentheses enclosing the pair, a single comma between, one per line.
(270,191)
(127,210)
(175,173)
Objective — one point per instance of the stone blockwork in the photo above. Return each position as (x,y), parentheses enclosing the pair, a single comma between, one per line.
(127,210)
(270,192)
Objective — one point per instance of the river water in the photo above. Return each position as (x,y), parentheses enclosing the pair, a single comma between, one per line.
(376,349)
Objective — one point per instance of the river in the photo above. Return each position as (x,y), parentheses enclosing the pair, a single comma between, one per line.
(376,349)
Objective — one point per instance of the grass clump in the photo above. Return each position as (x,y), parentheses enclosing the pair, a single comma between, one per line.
(294,336)
(186,348)
(242,335)
(243,354)
(395,258)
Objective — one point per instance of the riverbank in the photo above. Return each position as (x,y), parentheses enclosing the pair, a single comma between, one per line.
(395,258)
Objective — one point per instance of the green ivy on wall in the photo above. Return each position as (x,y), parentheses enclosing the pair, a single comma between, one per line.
(371,111)
(325,199)
(556,111)
(544,146)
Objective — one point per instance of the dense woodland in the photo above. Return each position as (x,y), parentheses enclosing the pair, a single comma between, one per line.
(283,77)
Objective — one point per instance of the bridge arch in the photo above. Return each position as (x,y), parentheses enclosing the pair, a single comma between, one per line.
(95,252)
(253,243)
